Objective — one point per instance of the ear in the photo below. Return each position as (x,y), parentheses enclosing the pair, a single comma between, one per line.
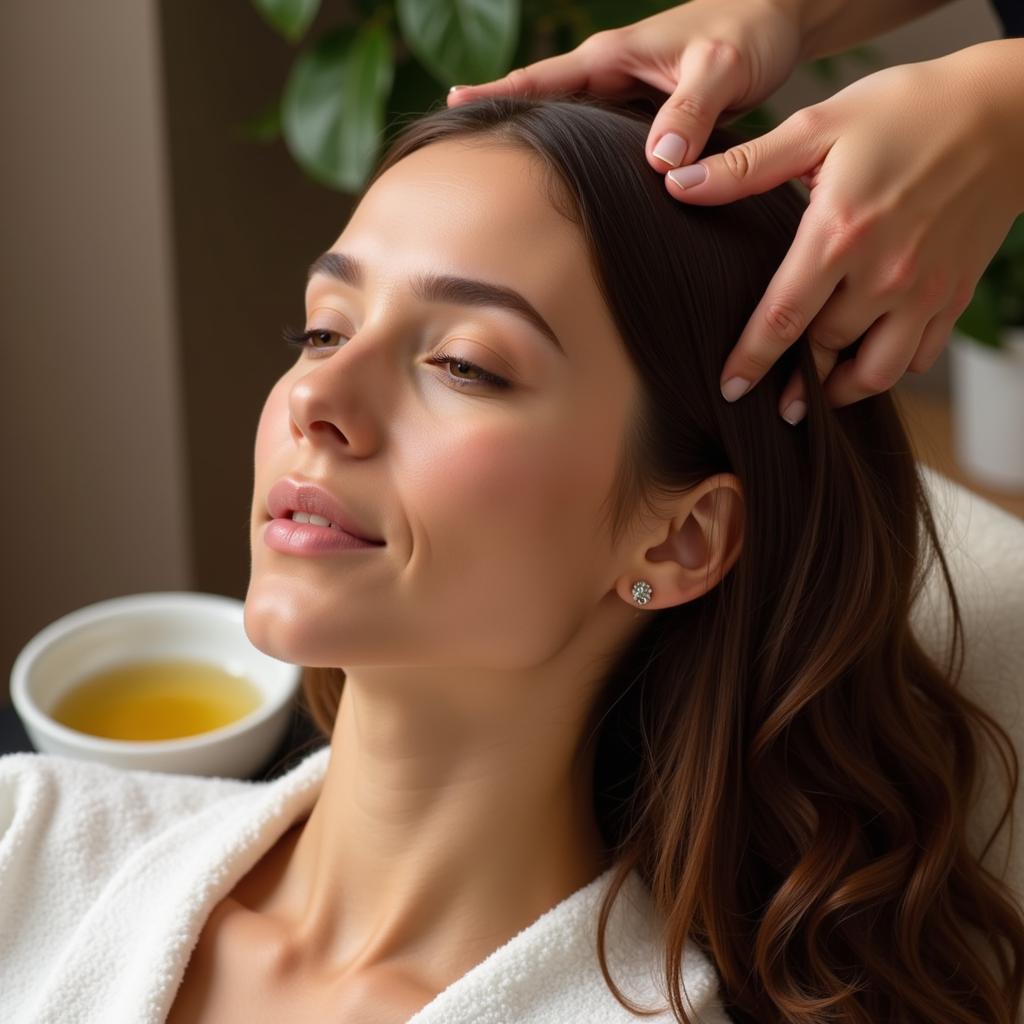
(693,550)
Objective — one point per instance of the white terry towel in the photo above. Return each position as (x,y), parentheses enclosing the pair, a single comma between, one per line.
(107,877)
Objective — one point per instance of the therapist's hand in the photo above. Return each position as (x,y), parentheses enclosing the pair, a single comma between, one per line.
(717,58)
(914,175)
(915,178)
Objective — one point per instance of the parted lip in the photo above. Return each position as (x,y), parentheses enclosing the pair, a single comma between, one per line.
(295,495)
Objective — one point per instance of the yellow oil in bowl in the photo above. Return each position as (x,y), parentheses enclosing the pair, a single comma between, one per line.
(156,700)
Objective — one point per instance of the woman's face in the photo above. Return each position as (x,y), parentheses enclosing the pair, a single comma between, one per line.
(489,498)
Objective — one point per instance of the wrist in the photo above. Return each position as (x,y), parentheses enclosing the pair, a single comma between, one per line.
(993,74)
(827,27)
(811,21)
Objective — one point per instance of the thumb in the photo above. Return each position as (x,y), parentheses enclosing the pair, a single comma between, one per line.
(681,127)
(791,150)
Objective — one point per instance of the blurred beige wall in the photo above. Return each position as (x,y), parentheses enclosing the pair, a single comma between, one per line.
(149,259)
(93,468)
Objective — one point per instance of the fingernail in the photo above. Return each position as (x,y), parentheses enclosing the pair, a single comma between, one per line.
(454,87)
(671,148)
(734,387)
(685,177)
(794,412)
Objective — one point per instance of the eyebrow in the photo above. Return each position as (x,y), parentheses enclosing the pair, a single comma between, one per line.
(462,291)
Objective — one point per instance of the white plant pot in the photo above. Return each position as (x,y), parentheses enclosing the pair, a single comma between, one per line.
(988,409)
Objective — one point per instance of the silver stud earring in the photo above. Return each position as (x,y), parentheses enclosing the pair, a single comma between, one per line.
(642,591)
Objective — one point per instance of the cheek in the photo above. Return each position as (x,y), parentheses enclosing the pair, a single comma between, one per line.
(511,497)
(504,542)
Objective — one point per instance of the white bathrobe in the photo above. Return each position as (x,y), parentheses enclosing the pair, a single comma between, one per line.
(107,877)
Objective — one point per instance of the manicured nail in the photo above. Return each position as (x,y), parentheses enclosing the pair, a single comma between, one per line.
(734,387)
(454,87)
(794,412)
(685,177)
(671,148)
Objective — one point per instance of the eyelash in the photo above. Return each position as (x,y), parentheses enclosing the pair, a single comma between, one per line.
(301,339)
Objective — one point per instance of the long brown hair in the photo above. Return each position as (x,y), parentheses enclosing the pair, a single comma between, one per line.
(780,760)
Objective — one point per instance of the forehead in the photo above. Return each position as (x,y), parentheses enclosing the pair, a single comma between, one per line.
(479,210)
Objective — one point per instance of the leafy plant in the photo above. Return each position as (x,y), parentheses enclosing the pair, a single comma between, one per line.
(351,87)
(998,300)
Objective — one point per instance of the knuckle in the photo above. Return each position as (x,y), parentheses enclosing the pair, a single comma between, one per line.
(759,362)
(874,379)
(935,288)
(843,232)
(808,121)
(827,338)
(723,53)
(691,107)
(605,42)
(899,275)
(519,79)
(739,161)
(785,322)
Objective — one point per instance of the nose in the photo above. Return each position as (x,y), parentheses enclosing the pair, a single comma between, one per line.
(340,398)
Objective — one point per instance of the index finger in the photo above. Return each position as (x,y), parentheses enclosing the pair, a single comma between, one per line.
(795,295)
(593,65)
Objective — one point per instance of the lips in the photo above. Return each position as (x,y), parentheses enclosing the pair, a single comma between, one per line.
(293,495)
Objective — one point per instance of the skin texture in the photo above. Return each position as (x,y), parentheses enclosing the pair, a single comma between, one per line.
(455,809)
(914,171)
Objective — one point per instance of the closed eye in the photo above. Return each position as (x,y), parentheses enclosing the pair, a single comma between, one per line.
(302,340)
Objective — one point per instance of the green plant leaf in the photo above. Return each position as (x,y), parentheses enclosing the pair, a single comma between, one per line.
(598,15)
(980,320)
(829,69)
(999,299)
(825,68)
(461,41)
(290,18)
(414,91)
(334,102)
(1013,244)
(755,121)
(869,56)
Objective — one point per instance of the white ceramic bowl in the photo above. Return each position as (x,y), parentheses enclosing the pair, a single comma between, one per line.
(204,627)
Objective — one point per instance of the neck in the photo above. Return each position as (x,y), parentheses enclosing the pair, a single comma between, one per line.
(443,827)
